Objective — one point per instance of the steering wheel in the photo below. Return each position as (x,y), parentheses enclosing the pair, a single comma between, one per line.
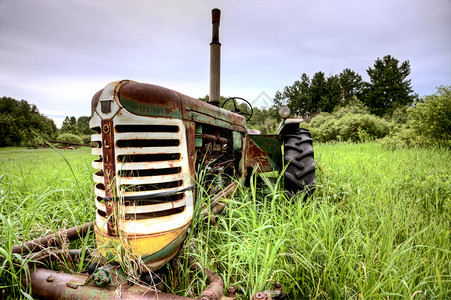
(248,116)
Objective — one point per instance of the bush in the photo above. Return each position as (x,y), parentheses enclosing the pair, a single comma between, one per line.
(404,137)
(86,138)
(361,128)
(432,117)
(70,138)
(21,124)
(427,123)
(397,116)
(355,106)
(350,123)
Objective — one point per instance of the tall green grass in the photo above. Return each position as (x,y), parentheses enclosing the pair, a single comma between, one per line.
(41,192)
(378,225)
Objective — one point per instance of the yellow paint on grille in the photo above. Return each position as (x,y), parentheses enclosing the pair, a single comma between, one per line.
(142,246)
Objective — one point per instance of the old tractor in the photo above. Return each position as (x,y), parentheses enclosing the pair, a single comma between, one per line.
(150,142)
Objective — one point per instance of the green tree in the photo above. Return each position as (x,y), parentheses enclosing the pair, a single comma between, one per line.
(76,126)
(69,125)
(351,84)
(318,91)
(432,116)
(83,125)
(266,120)
(389,87)
(333,96)
(21,124)
(297,97)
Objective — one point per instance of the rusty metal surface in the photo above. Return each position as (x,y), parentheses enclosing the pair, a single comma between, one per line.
(215,289)
(202,112)
(148,207)
(150,100)
(276,294)
(109,172)
(289,125)
(261,296)
(190,129)
(108,282)
(54,239)
(155,249)
(95,101)
(69,256)
(264,152)
(47,284)
(215,60)
(231,292)
(214,138)
(216,203)
(156,101)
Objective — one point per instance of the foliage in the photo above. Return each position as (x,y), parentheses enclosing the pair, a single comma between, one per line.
(354,106)
(398,116)
(69,138)
(320,94)
(387,90)
(297,98)
(76,126)
(389,87)
(266,120)
(40,193)
(22,124)
(350,123)
(332,97)
(427,123)
(377,225)
(351,84)
(86,139)
(432,116)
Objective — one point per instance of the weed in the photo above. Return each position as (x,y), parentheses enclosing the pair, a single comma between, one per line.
(377,226)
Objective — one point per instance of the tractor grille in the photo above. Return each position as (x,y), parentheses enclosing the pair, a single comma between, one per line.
(148,160)
(151,167)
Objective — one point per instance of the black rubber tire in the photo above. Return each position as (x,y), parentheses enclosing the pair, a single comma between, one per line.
(298,155)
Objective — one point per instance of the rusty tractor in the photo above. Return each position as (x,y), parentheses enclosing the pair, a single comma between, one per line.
(151,143)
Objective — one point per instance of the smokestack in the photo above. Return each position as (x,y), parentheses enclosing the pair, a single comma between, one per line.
(215,59)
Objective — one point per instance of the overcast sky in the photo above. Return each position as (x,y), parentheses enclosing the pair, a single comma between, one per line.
(57,54)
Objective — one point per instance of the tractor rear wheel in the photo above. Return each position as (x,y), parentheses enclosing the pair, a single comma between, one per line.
(298,157)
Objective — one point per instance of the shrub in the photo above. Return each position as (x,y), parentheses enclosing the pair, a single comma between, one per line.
(361,128)
(355,106)
(86,138)
(350,123)
(70,138)
(403,137)
(432,117)
(21,124)
(397,116)
(427,123)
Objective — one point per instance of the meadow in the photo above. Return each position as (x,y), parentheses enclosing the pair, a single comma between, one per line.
(377,227)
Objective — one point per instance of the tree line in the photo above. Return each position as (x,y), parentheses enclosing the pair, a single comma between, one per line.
(21,124)
(343,107)
(389,88)
(339,107)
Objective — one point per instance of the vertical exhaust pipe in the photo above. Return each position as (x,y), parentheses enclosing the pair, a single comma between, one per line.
(215,60)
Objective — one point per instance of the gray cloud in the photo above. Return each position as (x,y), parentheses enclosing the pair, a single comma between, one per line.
(56,54)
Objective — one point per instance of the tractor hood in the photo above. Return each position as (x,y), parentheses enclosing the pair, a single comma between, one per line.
(155,101)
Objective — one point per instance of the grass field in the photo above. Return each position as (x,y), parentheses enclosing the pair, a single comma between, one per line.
(378,225)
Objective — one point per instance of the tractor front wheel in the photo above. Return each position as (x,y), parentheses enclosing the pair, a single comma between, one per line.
(298,156)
